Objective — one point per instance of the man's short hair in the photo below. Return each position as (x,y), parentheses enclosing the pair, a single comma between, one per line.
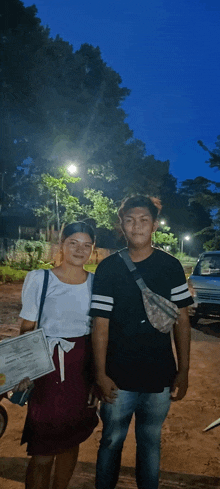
(138,201)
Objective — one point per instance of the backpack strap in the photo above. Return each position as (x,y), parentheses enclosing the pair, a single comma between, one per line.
(43,295)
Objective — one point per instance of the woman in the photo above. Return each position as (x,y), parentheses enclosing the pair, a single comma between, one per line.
(59,418)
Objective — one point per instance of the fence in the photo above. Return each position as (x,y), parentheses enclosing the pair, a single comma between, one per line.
(12,250)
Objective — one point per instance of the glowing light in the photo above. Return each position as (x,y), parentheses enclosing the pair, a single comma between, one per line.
(186,238)
(72,169)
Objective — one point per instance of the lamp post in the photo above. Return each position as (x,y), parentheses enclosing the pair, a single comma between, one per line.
(186,238)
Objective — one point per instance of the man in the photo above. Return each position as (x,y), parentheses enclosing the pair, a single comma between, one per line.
(135,366)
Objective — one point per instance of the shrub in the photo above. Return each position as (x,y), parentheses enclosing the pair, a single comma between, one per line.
(29,255)
(8,274)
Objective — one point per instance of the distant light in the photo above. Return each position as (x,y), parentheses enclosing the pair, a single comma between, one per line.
(72,169)
(162,222)
(187,238)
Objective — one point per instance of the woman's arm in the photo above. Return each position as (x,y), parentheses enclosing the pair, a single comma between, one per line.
(100,342)
(27,326)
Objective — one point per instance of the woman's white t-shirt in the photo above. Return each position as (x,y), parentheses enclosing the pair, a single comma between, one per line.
(66,308)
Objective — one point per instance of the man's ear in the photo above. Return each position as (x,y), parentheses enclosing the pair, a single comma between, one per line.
(155,226)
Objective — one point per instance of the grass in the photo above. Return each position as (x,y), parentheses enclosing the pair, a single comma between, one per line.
(8,274)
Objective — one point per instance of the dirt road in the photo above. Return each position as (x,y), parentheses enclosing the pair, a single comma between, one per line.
(185,447)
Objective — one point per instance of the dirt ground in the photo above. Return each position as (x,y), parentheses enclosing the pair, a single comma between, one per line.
(185,447)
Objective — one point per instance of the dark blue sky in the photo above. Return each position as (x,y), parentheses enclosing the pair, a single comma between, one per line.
(168,54)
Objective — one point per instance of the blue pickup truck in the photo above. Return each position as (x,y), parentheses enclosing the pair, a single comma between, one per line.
(204,285)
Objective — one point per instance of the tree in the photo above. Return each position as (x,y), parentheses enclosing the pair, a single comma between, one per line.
(166,240)
(66,105)
(203,203)
(214,160)
(60,205)
(103,210)
(61,106)
(212,244)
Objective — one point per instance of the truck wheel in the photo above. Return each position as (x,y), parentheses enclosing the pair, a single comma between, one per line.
(3,420)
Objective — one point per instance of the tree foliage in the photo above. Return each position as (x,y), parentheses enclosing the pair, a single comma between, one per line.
(214,160)
(65,105)
(68,106)
(103,210)
(60,206)
(165,239)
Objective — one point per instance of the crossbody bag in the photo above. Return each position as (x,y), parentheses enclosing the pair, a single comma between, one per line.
(161,312)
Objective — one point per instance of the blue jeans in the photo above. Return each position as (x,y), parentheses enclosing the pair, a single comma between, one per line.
(150,412)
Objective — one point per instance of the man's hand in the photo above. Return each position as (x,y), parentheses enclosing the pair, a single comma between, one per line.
(108,389)
(181,330)
(180,386)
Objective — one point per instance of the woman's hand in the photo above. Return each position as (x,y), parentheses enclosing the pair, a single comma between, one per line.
(108,389)
(93,398)
(23,385)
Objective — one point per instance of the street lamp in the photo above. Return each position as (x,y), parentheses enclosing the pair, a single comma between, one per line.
(72,168)
(187,238)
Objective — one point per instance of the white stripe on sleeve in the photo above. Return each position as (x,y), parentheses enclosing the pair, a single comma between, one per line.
(180,288)
(102,298)
(103,307)
(180,297)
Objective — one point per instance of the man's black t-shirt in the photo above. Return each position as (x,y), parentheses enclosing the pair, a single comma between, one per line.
(139,357)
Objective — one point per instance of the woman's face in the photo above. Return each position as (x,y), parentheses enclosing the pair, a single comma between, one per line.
(77,249)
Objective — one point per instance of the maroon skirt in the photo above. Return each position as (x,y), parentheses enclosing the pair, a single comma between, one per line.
(58,416)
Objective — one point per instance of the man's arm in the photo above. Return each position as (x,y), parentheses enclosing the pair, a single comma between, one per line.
(100,343)
(182,334)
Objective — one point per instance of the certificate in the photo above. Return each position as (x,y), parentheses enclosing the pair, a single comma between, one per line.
(24,356)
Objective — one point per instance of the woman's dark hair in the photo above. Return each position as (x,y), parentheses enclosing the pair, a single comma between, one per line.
(78,227)
(139,201)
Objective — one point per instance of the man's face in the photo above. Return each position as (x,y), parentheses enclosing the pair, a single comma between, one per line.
(138,226)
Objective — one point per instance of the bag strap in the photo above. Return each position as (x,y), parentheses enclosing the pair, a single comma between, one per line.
(132,268)
(142,286)
(43,295)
